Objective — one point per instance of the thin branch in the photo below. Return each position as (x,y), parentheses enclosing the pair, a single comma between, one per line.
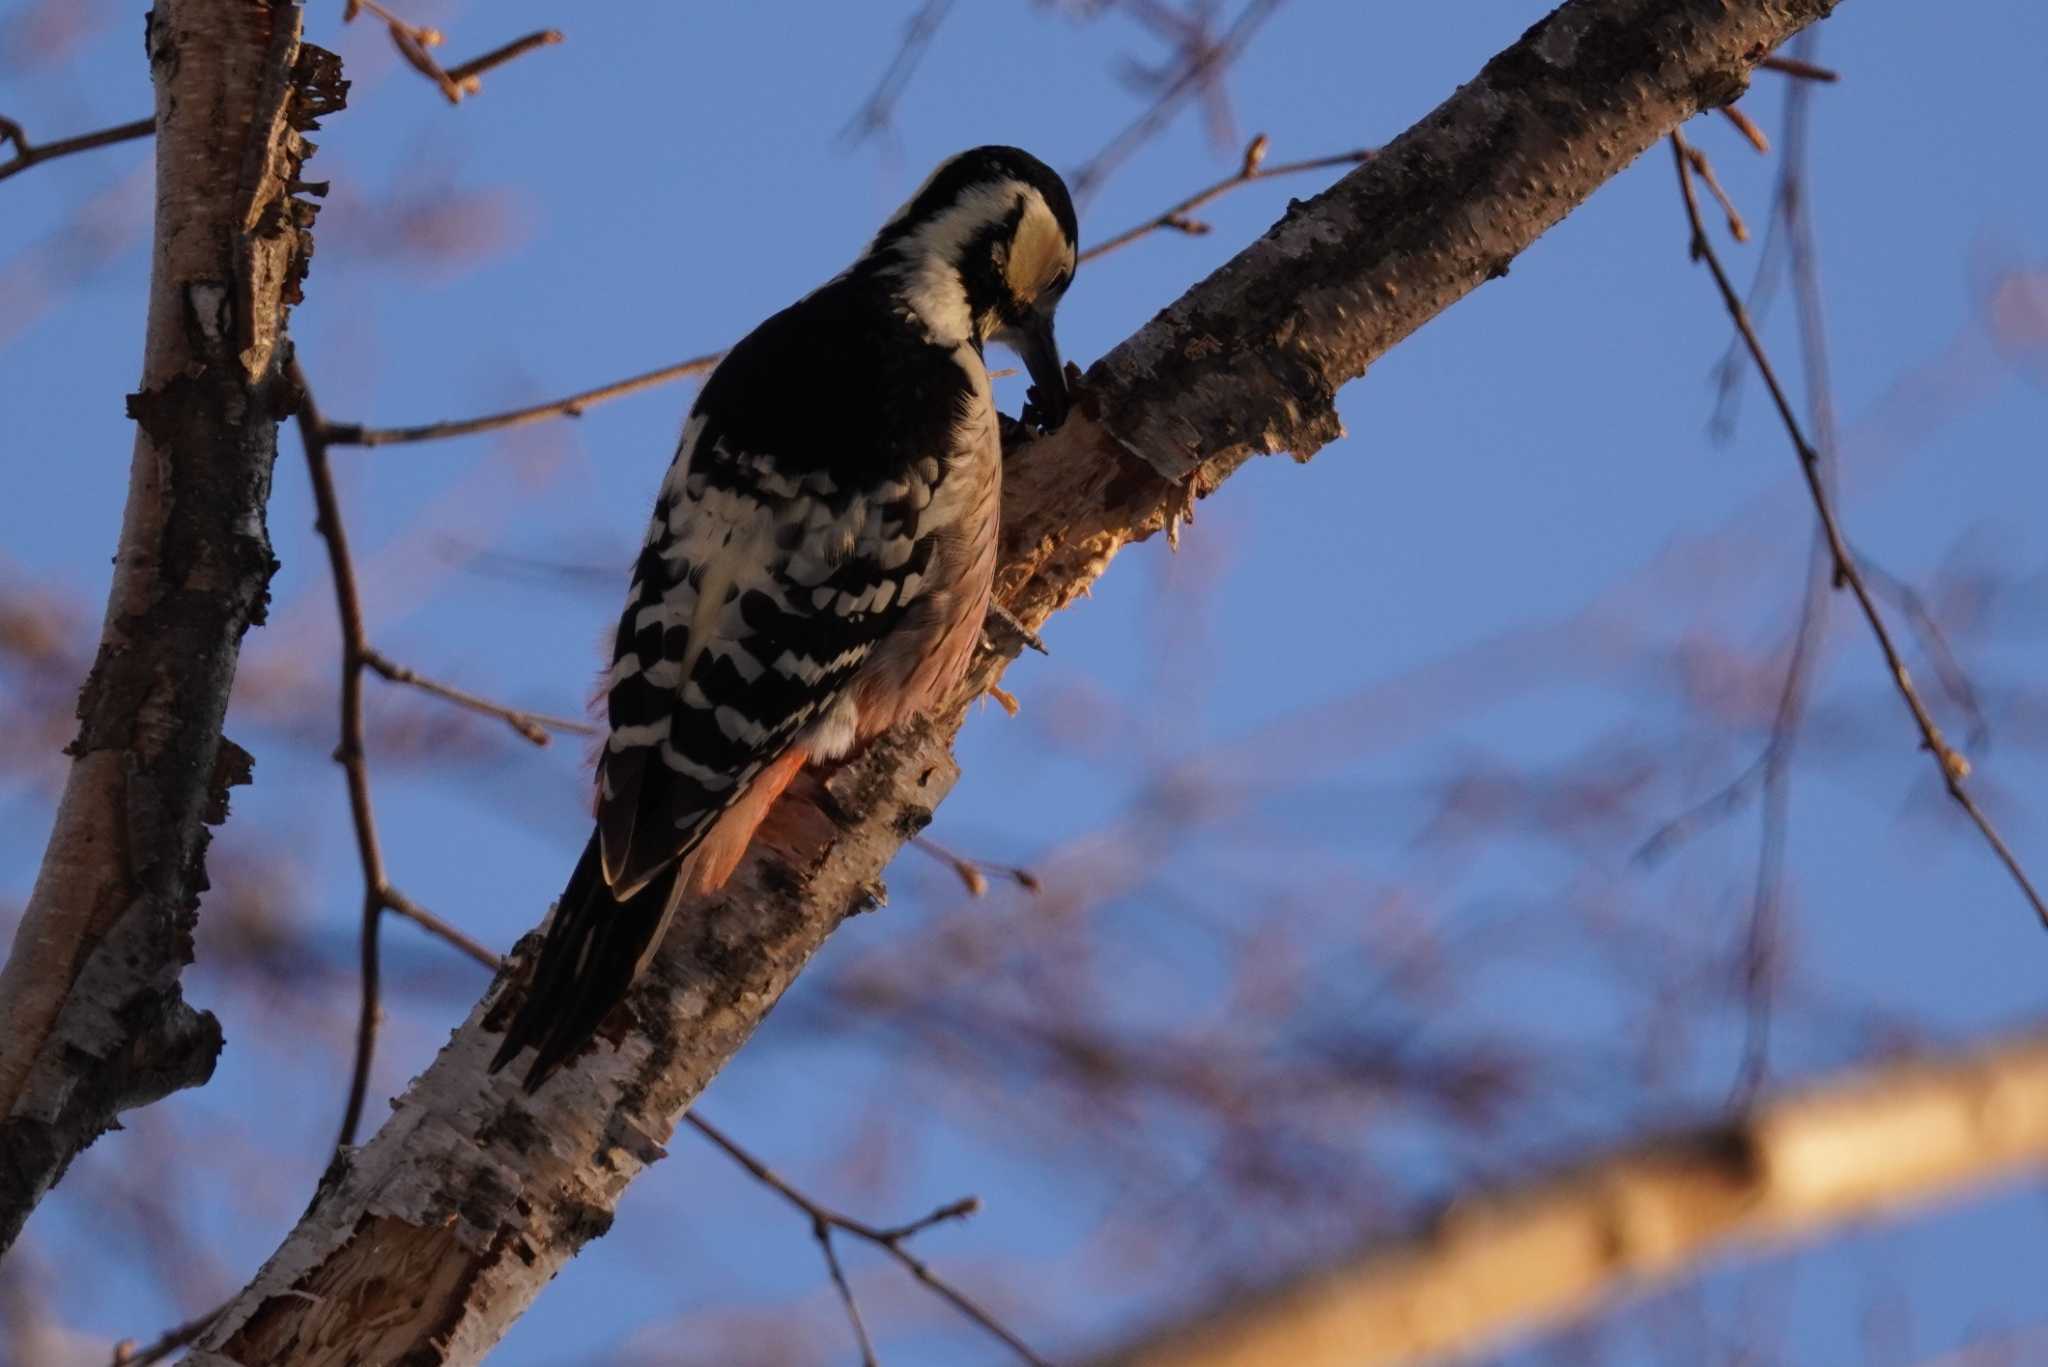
(27,154)
(1708,811)
(126,1354)
(1747,127)
(1954,767)
(357,655)
(414,42)
(532,726)
(822,1232)
(1761,939)
(1704,169)
(573,405)
(1954,679)
(1759,958)
(1250,169)
(1205,66)
(467,73)
(974,872)
(1793,66)
(890,1240)
(354,434)
(398,902)
(874,114)
(350,753)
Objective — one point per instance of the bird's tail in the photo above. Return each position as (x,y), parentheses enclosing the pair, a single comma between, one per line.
(593,948)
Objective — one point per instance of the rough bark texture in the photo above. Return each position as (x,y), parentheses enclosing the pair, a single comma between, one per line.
(496,1191)
(91,1018)
(1896,1138)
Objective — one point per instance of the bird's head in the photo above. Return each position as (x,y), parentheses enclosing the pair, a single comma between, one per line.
(984,251)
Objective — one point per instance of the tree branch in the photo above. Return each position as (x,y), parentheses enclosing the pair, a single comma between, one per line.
(890,1239)
(473,1195)
(574,405)
(416,41)
(532,727)
(91,1018)
(1889,1140)
(1953,765)
(27,154)
(1251,168)
(357,657)
(355,434)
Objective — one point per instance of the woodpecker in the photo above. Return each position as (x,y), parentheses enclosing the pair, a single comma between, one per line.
(818,565)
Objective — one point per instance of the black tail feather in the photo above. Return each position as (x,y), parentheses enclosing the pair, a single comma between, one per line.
(587,961)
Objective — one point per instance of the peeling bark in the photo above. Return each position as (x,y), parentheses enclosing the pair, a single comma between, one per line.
(1513,1261)
(92,1021)
(495,1190)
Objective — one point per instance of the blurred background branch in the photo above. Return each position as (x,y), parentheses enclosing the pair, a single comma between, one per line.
(1791,1170)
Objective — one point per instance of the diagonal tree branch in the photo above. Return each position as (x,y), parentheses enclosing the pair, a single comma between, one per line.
(1953,765)
(436,1235)
(1894,1138)
(91,1018)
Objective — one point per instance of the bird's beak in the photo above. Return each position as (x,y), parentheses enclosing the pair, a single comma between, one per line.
(1033,341)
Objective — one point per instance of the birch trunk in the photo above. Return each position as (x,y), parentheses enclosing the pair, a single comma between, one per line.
(92,1021)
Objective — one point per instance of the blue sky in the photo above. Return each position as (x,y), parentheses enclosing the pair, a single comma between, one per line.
(1534,461)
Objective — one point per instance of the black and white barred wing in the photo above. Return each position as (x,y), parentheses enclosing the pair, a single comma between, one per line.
(756,599)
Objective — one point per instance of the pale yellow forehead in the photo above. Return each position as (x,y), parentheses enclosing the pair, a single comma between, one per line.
(1039,252)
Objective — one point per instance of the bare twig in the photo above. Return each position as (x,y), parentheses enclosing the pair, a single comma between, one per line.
(1704,169)
(1955,681)
(973,872)
(1793,66)
(126,1354)
(822,1232)
(533,726)
(573,405)
(875,112)
(354,434)
(467,73)
(1747,127)
(1954,767)
(396,901)
(1774,766)
(414,42)
(1791,233)
(1252,168)
(27,154)
(889,1239)
(1709,811)
(350,752)
(1760,956)
(357,656)
(1203,67)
